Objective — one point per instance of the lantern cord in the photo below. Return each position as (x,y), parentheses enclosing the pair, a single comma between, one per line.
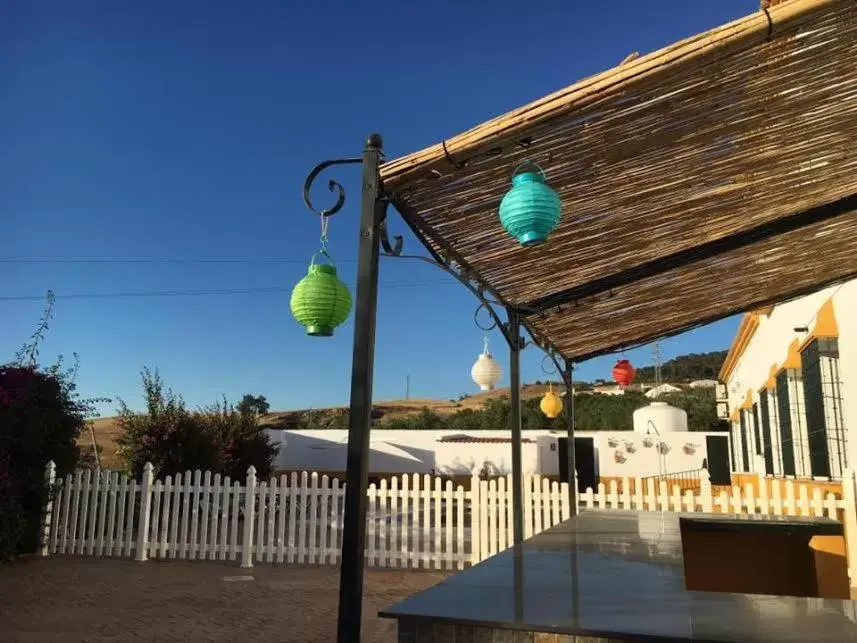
(325,222)
(485,345)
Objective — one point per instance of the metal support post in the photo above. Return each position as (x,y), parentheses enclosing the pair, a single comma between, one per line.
(372,213)
(569,426)
(514,337)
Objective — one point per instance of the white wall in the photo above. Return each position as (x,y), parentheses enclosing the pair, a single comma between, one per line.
(420,452)
(391,451)
(770,345)
(466,458)
(647,461)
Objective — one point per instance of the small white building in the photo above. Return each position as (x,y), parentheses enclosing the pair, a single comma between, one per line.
(661,389)
(703,384)
(791,381)
(608,389)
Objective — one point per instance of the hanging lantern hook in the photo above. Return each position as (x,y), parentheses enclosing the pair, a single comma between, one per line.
(532,164)
(476,318)
(552,371)
(332,185)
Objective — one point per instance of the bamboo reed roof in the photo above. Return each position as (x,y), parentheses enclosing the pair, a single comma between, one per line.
(692,181)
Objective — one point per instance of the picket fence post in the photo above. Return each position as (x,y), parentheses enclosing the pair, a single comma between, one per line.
(249,518)
(475,525)
(849,497)
(48,507)
(705,492)
(145,514)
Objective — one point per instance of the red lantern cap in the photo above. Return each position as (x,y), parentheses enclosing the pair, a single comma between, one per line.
(623,372)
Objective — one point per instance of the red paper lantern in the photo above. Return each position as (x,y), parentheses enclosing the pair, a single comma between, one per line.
(623,372)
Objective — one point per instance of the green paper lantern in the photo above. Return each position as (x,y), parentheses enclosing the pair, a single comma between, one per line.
(320,301)
(531,209)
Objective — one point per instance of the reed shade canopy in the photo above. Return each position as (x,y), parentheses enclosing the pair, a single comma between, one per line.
(705,179)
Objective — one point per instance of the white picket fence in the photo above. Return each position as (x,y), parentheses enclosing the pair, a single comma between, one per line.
(413,521)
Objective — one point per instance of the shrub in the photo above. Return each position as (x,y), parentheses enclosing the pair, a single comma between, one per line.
(218,438)
(41,416)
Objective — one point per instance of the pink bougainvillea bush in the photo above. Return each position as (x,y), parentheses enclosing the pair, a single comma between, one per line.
(41,416)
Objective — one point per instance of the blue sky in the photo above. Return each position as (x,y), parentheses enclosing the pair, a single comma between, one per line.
(161,146)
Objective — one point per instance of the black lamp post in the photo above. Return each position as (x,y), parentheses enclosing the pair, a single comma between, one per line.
(373,211)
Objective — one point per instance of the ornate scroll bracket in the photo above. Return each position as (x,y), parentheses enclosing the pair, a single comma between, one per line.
(332,185)
(393,249)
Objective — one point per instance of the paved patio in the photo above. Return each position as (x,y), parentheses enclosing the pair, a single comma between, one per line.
(92,599)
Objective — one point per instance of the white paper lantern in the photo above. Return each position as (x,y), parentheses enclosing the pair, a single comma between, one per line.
(486,372)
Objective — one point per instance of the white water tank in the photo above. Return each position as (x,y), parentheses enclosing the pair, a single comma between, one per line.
(659,418)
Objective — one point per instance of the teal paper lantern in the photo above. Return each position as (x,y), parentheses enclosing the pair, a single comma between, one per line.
(320,301)
(531,209)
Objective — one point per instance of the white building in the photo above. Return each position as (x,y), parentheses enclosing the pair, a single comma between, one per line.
(601,455)
(703,384)
(791,380)
(661,389)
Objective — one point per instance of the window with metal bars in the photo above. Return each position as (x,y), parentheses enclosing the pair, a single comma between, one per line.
(745,452)
(733,446)
(774,412)
(790,417)
(757,439)
(768,450)
(822,396)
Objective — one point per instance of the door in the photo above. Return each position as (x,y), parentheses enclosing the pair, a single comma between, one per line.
(584,461)
(718,459)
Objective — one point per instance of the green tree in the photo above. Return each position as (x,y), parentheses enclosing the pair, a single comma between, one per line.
(253,404)
(684,368)
(701,409)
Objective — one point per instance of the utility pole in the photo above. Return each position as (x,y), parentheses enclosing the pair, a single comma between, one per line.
(657,352)
(408,386)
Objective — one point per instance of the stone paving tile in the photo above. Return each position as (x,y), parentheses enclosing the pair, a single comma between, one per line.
(103,599)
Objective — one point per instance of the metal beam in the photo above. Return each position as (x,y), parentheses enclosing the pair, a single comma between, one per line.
(514,331)
(702,252)
(569,427)
(423,232)
(372,214)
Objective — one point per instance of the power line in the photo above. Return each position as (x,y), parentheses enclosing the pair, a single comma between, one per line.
(199,292)
(165,260)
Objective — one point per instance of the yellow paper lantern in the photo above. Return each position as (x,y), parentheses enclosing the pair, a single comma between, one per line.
(551,405)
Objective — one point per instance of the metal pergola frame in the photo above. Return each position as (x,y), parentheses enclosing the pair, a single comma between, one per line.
(375,242)
(726,203)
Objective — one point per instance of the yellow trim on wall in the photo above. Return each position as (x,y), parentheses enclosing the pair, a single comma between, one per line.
(772,377)
(792,358)
(746,330)
(825,324)
(733,417)
(748,401)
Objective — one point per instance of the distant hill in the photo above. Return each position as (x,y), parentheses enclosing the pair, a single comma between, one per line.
(107,431)
(686,368)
